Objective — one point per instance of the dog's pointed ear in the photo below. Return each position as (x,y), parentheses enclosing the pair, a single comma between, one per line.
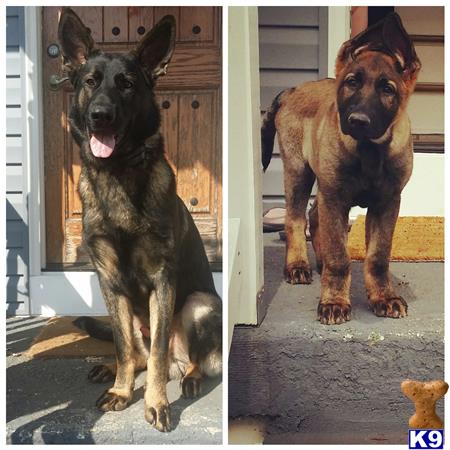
(387,35)
(75,39)
(155,49)
(400,44)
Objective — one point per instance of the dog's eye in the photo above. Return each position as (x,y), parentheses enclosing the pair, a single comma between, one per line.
(351,82)
(389,89)
(127,84)
(90,82)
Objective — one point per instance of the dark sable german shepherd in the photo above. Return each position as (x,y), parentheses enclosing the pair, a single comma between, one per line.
(151,264)
(353,135)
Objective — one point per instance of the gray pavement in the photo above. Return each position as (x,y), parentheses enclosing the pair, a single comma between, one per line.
(313,383)
(51,402)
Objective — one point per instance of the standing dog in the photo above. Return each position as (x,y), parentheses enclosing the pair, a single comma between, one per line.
(151,264)
(353,135)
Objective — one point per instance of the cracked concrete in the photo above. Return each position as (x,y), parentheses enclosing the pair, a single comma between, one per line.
(337,384)
(51,402)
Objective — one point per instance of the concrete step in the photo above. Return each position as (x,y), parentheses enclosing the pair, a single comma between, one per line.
(311,382)
(50,401)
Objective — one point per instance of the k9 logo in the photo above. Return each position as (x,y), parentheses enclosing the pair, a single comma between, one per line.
(426,439)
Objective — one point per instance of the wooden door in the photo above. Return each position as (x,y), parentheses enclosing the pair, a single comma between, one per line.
(190,100)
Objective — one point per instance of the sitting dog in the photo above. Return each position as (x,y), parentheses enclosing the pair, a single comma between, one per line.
(166,316)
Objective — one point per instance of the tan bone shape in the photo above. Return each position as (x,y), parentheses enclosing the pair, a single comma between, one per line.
(424,396)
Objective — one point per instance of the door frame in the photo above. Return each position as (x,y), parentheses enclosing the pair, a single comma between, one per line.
(34,138)
(50,293)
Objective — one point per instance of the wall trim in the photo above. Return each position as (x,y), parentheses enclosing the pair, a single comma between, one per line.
(245,193)
(75,293)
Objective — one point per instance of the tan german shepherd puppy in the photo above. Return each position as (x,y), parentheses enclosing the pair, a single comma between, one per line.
(353,135)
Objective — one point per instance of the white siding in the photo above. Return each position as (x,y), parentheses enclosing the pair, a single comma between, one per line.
(288,48)
(16,205)
(292,45)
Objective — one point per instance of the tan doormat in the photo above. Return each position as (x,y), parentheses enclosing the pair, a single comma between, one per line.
(60,338)
(415,239)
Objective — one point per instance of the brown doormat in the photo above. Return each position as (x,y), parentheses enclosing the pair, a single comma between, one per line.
(415,239)
(60,338)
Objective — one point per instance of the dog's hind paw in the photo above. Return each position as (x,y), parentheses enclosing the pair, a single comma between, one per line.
(334,313)
(394,308)
(298,274)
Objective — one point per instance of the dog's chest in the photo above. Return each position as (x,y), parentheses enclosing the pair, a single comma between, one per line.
(370,176)
(116,202)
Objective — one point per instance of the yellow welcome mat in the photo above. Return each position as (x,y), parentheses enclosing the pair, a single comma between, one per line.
(60,338)
(415,239)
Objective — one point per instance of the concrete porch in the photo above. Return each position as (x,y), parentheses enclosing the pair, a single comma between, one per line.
(50,401)
(312,383)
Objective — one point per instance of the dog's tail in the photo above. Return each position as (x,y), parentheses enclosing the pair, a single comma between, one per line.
(268,131)
(94,327)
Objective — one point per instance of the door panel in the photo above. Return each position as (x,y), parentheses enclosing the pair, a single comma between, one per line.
(115,24)
(190,100)
(197,24)
(140,21)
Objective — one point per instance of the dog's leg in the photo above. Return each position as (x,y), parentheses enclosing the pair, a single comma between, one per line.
(314,231)
(106,261)
(298,183)
(118,397)
(334,306)
(162,301)
(380,225)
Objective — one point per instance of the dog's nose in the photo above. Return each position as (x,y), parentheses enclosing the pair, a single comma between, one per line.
(359,120)
(102,114)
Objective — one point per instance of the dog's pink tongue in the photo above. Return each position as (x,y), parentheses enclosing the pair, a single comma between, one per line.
(102,145)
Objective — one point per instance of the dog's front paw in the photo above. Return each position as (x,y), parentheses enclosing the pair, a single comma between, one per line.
(112,401)
(158,415)
(298,274)
(191,387)
(334,313)
(101,374)
(395,307)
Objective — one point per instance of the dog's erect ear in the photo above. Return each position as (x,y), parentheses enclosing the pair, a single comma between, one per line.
(388,36)
(398,41)
(156,48)
(75,39)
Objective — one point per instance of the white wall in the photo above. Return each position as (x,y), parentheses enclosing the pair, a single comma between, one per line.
(244,185)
